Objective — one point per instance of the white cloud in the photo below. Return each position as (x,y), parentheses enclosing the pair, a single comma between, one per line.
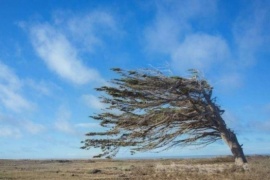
(163,36)
(32,127)
(200,51)
(60,56)
(19,125)
(13,100)
(61,44)
(87,125)
(62,123)
(173,32)
(186,33)
(95,25)
(92,101)
(10,87)
(172,23)
(229,81)
(42,87)
(251,32)
(10,132)
(8,77)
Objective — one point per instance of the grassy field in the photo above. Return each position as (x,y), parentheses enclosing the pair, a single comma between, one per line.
(214,168)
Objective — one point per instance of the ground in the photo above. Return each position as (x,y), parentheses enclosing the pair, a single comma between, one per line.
(212,168)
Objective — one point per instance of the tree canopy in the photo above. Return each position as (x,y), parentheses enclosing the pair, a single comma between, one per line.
(148,110)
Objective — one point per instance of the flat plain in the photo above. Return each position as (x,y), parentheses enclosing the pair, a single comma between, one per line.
(208,169)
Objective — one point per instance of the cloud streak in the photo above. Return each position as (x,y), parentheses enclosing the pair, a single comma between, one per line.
(62,43)
(92,101)
(173,33)
(15,127)
(10,91)
(172,23)
(60,56)
(12,132)
(62,123)
(188,33)
(95,25)
(200,51)
(251,32)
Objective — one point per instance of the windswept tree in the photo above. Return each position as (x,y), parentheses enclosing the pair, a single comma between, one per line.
(148,110)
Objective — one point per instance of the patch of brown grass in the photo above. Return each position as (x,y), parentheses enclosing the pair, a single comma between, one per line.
(210,169)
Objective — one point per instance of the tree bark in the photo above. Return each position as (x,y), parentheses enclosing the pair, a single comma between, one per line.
(231,140)
(227,135)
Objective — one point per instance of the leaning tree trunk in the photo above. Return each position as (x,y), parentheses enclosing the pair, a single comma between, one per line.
(227,135)
(231,140)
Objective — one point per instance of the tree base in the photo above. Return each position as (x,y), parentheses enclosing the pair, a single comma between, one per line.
(239,162)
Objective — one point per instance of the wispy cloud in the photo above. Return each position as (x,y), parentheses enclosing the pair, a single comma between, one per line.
(33,128)
(181,31)
(173,33)
(95,25)
(92,101)
(60,56)
(200,51)
(251,32)
(172,23)
(19,125)
(10,132)
(87,125)
(42,87)
(61,43)
(10,91)
(163,35)
(229,81)
(13,100)
(62,123)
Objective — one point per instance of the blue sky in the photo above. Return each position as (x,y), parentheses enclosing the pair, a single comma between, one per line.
(54,53)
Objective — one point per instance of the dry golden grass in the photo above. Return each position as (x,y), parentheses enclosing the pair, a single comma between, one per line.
(210,169)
